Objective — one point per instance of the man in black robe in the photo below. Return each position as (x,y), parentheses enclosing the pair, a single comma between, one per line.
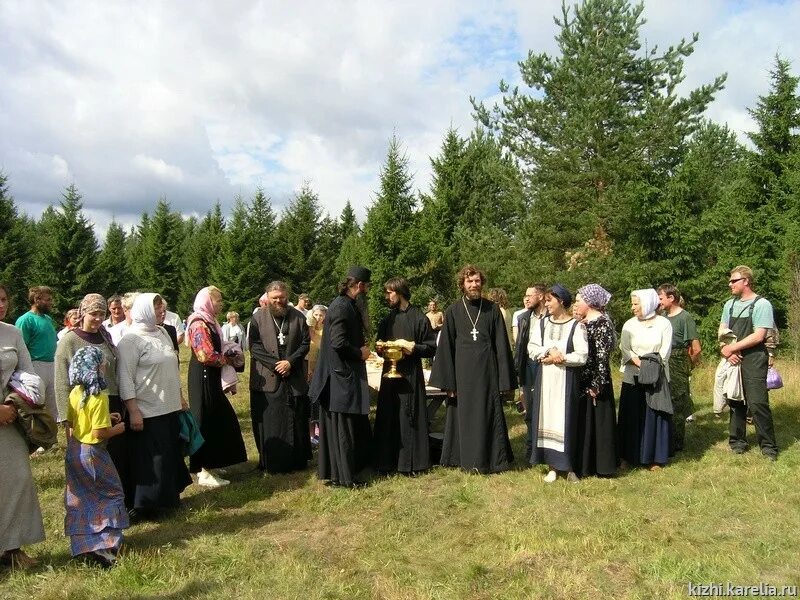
(340,386)
(401,421)
(473,365)
(279,405)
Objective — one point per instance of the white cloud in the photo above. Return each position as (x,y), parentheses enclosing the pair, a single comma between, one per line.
(158,167)
(197,102)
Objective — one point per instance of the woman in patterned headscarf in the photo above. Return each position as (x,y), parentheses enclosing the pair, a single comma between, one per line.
(212,410)
(94,500)
(597,425)
(90,332)
(643,432)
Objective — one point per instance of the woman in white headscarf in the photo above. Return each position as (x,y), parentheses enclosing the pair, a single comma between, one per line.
(643,432)
(150,385)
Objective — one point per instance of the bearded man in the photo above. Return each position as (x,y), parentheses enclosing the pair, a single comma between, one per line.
(279,405)
(401,420)
(473,365)
(340,385)
(39,333)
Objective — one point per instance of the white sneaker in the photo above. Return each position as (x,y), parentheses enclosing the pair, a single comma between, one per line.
(690,419)
(207,479)
(550,477)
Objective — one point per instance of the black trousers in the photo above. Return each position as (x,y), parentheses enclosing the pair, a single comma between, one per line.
(754,382)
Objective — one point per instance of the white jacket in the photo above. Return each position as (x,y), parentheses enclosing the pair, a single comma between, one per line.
(727,385)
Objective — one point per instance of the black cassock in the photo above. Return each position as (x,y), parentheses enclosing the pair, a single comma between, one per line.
(279,406)
(478,367)
(401,421)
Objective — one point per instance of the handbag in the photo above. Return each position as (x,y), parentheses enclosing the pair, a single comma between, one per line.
(35,424)
(774,380)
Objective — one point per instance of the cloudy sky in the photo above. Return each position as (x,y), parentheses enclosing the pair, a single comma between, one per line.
(201,101)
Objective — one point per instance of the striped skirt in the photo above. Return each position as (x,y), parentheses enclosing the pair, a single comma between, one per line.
(94,500)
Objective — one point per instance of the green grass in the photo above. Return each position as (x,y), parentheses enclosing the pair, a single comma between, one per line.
(709,517)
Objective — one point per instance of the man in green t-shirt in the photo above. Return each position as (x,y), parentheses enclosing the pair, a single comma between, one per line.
(750,317)
(685,353)
(39,332)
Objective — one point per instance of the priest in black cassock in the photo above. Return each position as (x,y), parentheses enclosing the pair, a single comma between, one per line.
(401,422)
(340,386)
(279,404)
(473,365)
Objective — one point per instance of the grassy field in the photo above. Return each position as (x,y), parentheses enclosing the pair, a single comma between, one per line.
(710,517)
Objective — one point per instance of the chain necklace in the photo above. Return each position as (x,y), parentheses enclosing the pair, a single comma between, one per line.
(281,337)
(474,331)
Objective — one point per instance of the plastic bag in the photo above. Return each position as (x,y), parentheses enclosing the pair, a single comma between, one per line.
(774,381)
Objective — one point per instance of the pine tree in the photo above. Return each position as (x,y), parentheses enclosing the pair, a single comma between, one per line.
(597,131)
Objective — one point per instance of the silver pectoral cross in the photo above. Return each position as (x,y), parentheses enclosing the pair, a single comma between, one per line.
(474,333)
(281,338)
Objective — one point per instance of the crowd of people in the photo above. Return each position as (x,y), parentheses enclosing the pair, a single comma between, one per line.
(114,386)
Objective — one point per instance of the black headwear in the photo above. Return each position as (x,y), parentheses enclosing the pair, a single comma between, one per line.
(562,293)
(359,273)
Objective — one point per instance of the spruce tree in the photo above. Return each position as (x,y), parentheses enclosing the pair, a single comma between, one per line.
(158,258)
(297,237)
(15,249)
(392,249)
(112,272)
(201,250)
(67,255)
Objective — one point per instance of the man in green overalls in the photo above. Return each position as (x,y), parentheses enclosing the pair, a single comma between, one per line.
(749,316)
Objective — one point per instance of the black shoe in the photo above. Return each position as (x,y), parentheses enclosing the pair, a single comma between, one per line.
(738,450)
(771,457)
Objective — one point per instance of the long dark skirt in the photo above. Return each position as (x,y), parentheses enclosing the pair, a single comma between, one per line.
(280,429)
(401,434)
(643,434)
(567,459)
(216,418)
(120,452)
(344,447)
(94,501)
(157,466)
(597,434)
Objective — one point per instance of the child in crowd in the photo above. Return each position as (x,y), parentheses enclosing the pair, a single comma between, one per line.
(94,500)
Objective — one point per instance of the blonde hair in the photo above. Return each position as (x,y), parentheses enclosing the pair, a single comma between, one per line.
(232,314)
(746,272)
(128,299)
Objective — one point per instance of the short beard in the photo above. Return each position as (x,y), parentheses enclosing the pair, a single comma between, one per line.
(277,311)
(473,295)
(45,310)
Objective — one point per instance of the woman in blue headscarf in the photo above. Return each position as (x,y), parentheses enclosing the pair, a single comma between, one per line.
(558,342)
